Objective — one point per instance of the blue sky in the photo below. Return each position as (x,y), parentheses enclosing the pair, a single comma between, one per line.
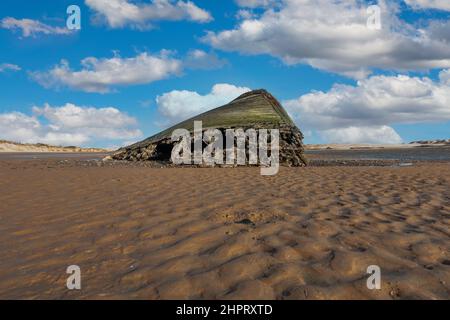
(340,80)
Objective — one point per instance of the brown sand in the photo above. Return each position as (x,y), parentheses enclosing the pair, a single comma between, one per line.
(152,233)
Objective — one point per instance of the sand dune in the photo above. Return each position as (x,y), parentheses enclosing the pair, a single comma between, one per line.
(229,233)
(8,146)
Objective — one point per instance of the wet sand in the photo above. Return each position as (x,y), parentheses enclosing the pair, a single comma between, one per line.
(223,233)
(52,155)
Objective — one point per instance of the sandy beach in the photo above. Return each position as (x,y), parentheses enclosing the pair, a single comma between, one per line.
(223,233)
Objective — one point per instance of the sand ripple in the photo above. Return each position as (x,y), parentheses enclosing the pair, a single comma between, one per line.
(148,233)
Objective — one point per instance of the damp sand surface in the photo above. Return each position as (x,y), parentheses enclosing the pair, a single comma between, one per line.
(223,233)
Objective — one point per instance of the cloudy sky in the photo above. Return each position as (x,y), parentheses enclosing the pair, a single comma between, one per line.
(136,67)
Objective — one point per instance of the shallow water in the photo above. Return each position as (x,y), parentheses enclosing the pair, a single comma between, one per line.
(418,154)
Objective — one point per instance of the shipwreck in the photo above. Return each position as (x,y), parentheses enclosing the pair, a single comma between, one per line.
(256,109)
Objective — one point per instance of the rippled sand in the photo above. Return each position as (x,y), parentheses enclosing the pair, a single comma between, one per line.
(160,233)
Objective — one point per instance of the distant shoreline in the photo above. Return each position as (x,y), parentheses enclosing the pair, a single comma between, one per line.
(362,146)
(9,146)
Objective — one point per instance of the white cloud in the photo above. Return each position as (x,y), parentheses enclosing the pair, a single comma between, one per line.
(199,59)
(429,4)
(68,125)
(120,13)
(180,105)
(99,75)
(375,134)
(363,113)
(19,127)
(31,27)
(334,36)
(9,66)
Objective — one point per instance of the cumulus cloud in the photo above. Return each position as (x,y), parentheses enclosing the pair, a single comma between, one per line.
(429,4)
(179,105)
(9,66)
(31,28)
(102,75)
(373,134)
(364,113)
(99,75)
(68,125)
(334,36)
(120,13)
